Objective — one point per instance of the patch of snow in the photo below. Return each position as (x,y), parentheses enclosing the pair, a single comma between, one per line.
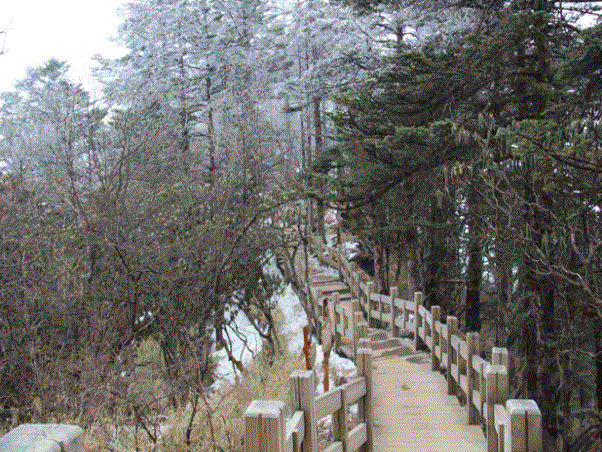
(315,263)
(294,318)
(339,367)
(245,342)
(352,249)
(330,217)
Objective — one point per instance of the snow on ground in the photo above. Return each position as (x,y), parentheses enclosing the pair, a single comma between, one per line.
(241,350)
(294,318)
(315,263)
(330,218)
(352,249)
(339,367)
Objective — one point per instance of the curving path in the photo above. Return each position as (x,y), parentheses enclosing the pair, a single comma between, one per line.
(412,411)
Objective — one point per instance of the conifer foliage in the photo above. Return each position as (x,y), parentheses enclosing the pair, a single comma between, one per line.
(483,150)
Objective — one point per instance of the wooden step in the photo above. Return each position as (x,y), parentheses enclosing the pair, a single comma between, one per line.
(377,335)
(390,342)
(332,287)
(322,278)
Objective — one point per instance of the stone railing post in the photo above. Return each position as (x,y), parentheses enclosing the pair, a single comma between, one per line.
(339,421)
(265,428)
(303,398)
(435,337)
(452,357)
(356,285)
(358,320)
(496,386)
(318,305)
(472,348)
(366,408)
(525,432)
(44,438)
(499,355)
(418,301)
(394,313)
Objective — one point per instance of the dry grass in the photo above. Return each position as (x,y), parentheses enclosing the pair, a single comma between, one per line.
(218,423)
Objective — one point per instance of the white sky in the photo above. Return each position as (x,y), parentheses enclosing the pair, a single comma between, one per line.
(72,30)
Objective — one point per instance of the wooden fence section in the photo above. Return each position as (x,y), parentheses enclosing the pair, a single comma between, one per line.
(268,430)
(511,424)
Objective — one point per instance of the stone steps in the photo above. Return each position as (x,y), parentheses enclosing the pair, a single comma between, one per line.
(384,345)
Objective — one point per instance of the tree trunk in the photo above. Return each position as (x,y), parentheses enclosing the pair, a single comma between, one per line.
(320,208)
(436,273)
(381,277)
(474,270)
(210,130)
(598,360)
(411,237)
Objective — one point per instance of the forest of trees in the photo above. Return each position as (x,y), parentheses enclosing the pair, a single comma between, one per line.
(459,139)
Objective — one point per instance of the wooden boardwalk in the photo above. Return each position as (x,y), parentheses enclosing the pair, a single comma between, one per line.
(413,413)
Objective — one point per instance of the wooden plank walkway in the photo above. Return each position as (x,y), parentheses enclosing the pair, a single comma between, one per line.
(413,413)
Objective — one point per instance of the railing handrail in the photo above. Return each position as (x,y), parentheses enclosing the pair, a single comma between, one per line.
(267,429)
(511,424)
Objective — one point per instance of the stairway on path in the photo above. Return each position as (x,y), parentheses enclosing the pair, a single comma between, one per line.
(385,346)
(412,411)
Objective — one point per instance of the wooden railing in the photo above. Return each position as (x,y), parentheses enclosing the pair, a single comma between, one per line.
(511,424)
(268,430)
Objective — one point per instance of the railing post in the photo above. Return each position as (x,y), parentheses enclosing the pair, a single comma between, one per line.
(524,434)
(356,283)
(364,369)
(355,333)
(394,313)
(452,357)
(358,318)
(336,320)
(435,339)
(496,387)
(339,421)
(365,342)
(303,398)
(265,429)
(370,288)
(362,327)
(418,301)
(499,355)
(472,348)
(43,438)
(318,305)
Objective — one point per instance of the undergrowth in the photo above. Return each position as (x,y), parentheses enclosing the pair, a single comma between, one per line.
(217,419)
